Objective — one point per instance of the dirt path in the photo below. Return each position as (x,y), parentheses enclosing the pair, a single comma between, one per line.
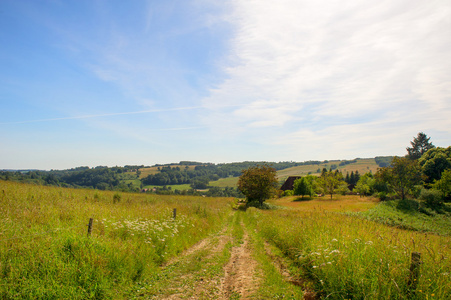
(222,266)
(240,278)
(218,267)
(193,271)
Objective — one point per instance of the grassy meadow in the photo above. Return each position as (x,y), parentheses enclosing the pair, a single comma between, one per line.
(345,248)
(348,256)
(45,252)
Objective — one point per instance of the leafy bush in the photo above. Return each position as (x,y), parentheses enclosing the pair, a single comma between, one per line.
(382,196)
(259,205)
(433,198)
(288,193)
(117,198)
(408,205)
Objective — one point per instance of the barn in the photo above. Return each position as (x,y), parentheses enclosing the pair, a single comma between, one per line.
(288,184)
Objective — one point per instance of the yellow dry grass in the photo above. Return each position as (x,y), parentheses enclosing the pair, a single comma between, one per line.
(339,203)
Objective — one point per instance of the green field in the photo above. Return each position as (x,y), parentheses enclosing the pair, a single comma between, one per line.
(154,170)
(361,165)
(225,182)
(180,187)
(312,249)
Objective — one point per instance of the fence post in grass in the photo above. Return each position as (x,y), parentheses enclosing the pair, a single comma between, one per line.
(414,272)
(174,213)
(90,226)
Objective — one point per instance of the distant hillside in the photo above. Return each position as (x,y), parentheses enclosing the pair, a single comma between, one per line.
(361,165)
(197,175)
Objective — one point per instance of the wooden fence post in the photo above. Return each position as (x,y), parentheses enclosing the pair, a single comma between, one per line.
(90,226)
(414,272)
(174,214)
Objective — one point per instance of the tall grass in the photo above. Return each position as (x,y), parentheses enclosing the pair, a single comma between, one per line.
(412,215)
(346,257)
(45,252)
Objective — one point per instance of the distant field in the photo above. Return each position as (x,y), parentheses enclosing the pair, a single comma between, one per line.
(299,170)
(362,165)
(154,170)
(180,187)
(135,182)
(148,171)
(225,182)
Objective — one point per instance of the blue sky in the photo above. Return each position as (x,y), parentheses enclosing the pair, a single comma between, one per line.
(143,82)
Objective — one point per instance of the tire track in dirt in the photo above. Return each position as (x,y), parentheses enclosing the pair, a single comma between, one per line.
(202,245)
(204,272)
(196,284)
(240,277)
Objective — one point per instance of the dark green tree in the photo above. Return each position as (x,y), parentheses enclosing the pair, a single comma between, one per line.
(434,162)
(444,184)
(401,176)
(258,184)
(303,186)
(420,145)
(329,182)
(365,185)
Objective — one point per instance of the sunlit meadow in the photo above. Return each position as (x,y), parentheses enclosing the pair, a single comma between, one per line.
(346,257)
(45,251)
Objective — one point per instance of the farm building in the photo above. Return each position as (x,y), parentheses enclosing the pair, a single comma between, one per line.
(288,184)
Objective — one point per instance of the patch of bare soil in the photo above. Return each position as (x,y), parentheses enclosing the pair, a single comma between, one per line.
(240,273)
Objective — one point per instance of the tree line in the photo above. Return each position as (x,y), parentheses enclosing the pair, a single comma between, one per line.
(119,178)
(424,173)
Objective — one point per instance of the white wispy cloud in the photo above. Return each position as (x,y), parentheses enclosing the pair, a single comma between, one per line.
(328,70)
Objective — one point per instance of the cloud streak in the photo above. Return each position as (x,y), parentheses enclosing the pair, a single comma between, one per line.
(149,111)
(107,115)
